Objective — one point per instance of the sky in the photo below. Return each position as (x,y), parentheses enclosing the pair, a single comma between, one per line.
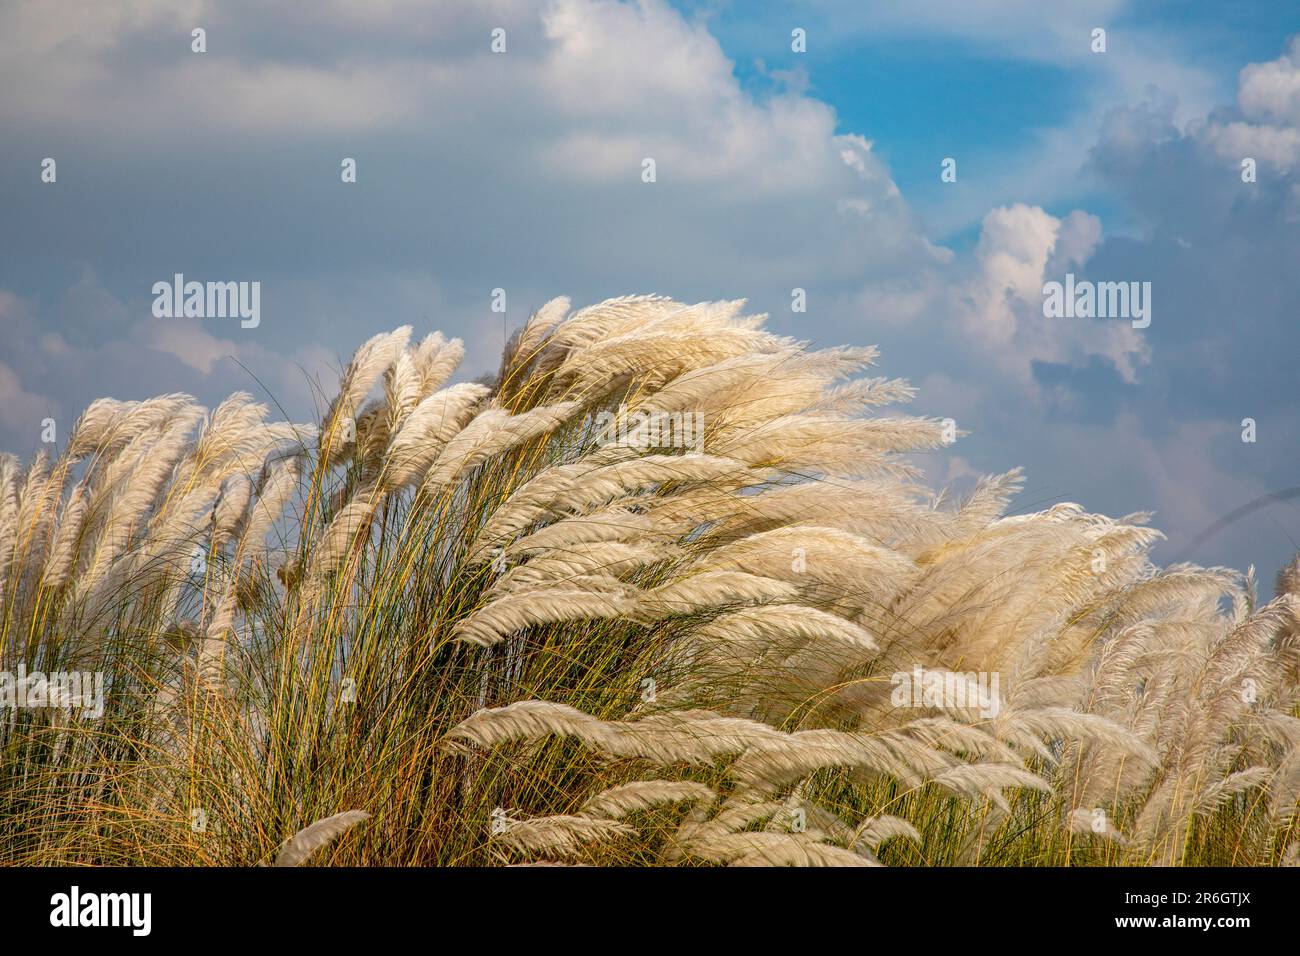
(775,170)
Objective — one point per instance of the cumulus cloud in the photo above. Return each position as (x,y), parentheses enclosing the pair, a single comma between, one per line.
(477,171)
(1271,91)
(46,373)
(990,302)
(1220,255)
(1267,125)
(1127,419)
(20,410)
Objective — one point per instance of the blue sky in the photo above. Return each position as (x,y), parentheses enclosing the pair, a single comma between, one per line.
(776,170)
(924,92)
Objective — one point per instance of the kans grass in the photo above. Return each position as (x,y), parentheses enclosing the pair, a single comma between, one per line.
(460,625)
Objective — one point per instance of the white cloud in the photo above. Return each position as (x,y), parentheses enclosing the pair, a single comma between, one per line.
(187,341)
(1271,91)
(989,305)
(1268,130)
(20,409)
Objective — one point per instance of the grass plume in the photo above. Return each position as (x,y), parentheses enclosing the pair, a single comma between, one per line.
(462,614)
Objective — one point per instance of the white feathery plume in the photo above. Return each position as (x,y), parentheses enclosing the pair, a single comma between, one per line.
(9,468)
(491,433)
(511,613)
(537,499)
(349,525)
(618,802)
(774,849)
(1220,791)
(563,836)
(437,359)
(299,847)
(433,422)
(130,503)
(367,365)
(278,489)
(611,524)
(989,780)
(694,737)
(403,389)
(1095,822)
(604,319)
(217,638)
(231,509)
(539,325)
(710,589)
(108,425)
(63,553)
(876,830)
(611,558)
(784,627)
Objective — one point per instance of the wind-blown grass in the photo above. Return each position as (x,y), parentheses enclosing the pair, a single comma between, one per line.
(462,611)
